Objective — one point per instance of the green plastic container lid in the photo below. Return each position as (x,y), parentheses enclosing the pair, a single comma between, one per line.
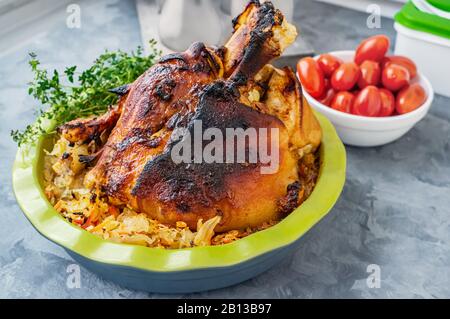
(411,17)
(444,5)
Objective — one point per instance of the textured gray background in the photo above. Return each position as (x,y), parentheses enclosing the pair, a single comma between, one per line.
(394,211)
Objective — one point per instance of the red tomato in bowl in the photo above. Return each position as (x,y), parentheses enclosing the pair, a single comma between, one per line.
(345,77)
(370,74)
(395,77)
(328,97)
(327,84)
(410,98)
(311,77)
(403,61)
(373,48)
(328,63)
(367,102)
(343,101)
(387,103)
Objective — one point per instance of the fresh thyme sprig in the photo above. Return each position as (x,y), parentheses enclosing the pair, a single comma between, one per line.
(64,97)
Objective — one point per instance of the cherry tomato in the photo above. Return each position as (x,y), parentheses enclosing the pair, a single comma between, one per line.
(403,61)
(328,63)
(355,92)
(395,77)
(328,97)
(345,77)
(343,101)
(410,98)
(370,74)
(327,84)
(387,103)
(311,77)
(367,102)
(373,48)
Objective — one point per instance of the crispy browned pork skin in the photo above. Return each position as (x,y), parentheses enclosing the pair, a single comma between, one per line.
(228,87)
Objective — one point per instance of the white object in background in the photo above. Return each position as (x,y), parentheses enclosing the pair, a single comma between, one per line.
(430,52)
(372,131)
(147,11)
(148,19)
(183,22)
(285,6)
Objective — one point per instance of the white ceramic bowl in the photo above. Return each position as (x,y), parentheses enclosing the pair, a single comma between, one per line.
(372,131)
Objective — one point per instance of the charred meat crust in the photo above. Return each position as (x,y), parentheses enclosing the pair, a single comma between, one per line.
(266,18)
(291,201)
(89,160)
(164,89)
(196,49)
(121,90)
(165,77)
(184,184)
(86,130)
(168,88)
(171,57)
(293,84)
(258,50)
(247,7)
(137,136)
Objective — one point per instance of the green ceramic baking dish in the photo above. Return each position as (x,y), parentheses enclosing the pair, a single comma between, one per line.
(183,270)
